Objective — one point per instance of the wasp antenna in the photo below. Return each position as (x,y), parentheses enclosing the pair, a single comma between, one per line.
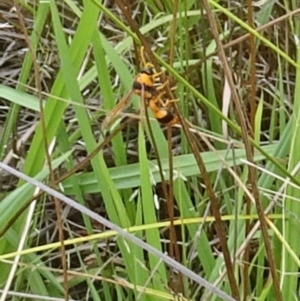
(143,56)
(166,103)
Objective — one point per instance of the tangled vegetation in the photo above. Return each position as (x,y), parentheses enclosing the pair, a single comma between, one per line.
(101,198)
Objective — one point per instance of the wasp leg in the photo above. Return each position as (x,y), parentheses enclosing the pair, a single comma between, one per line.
(166,102)
(157,99)
(162,86)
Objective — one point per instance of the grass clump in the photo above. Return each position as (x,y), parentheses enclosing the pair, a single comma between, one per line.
(217,192)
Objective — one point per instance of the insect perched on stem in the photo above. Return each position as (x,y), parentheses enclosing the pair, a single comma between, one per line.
(144,86)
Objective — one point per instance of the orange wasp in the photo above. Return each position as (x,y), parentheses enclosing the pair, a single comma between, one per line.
(144,86)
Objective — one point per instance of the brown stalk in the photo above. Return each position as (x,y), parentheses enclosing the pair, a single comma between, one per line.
(177,283)
(135,28)
(167,189)
(252,105)
(220,229)
(46,146)
(249,154)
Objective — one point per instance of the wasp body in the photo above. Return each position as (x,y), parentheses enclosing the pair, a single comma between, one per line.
(144,86)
